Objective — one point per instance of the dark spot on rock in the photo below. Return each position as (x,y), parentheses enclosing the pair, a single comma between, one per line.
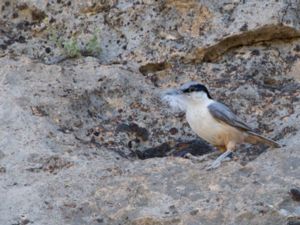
(96,133)
(255,52)
(52,20)
(129,144)
(173,131)
(291,58)
(38,15)
(23,25)
(3,47)
(65,130)
(244,27)
(15,15)
(7,3)
(78,123)
(297,48)
(21,39)
(58,1)
(124,47)
(2,169)
(122,128)
(295,194)
(285,131)
(139,131)
(194,212)
(69,3)
(159,151)
(99,220)
(294,222)
(134,128)
(48,50)
(38,111)
(270,81)
(154,79)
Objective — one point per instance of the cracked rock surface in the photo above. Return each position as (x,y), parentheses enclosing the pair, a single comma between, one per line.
(85,138)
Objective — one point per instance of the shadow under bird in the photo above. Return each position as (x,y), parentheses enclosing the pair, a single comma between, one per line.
(213,121)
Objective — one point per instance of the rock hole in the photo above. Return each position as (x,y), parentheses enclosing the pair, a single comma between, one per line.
(153,67)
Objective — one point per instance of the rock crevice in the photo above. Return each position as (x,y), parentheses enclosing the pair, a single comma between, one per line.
(267,33)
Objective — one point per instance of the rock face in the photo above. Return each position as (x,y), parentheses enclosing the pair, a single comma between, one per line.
(85,138)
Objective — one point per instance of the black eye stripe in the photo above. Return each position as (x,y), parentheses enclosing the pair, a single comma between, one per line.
(188,90)
(192,89)
(197,87)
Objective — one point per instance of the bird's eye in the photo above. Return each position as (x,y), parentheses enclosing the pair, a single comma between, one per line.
(191,89)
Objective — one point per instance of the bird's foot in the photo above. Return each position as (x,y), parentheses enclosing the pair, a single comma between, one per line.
(224,157)
(195,159)
(198,159)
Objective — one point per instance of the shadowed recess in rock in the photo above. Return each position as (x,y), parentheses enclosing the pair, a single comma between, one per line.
(180,149)
(153,67)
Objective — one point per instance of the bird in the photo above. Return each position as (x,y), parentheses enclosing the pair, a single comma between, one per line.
(212,120)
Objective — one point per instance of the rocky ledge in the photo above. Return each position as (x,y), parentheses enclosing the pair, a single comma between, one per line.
(85,138)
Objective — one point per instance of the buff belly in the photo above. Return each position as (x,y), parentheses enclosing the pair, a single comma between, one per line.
(211,130)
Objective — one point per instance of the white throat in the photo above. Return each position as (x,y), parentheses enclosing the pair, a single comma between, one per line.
(197,99)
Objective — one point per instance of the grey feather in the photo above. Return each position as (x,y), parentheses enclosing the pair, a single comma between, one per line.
(224,114)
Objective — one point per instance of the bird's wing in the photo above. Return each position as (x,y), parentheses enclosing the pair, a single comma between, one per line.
(222,113)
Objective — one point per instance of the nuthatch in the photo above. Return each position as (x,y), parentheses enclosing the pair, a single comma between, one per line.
(213,121)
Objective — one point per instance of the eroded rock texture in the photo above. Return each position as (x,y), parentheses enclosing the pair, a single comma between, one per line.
(85,138)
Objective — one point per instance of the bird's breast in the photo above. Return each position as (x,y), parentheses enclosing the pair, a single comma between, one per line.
(206,126)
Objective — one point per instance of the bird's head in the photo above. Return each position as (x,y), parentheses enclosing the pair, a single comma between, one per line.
(190,93)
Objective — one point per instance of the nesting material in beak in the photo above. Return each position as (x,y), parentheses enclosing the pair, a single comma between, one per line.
(175,99)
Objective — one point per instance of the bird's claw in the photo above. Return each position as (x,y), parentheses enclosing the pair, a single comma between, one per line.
(224,157)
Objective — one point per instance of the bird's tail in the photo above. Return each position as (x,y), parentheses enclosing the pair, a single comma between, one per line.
(254,138)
